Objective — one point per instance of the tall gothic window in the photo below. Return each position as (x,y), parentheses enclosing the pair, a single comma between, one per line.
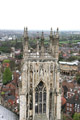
(50,104)
(40,98)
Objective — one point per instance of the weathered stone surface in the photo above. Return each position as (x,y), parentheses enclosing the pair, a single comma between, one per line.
(40,98)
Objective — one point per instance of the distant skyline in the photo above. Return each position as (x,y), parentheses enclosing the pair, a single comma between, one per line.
(40,14)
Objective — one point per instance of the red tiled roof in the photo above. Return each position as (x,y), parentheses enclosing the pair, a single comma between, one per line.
(68,85)
(11,86)
(6,65)
(63,100)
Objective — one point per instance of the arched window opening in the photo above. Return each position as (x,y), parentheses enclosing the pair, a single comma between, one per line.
(50,103)
(40,98)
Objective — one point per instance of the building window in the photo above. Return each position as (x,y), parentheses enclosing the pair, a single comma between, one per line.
(40,98)
(70,109)
(70,105)
(40,108)
(36,108)
(67,108)
(77,109)
(44,108)
(36,97)
(78,105)
(67,104)
(44,96)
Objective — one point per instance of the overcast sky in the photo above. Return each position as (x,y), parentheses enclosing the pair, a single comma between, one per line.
(40,14)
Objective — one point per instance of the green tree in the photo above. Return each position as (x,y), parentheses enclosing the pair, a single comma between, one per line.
(78,78)
(64,117)
(72,58)
(61,57)
(7,76)
(6,61)
(76,116)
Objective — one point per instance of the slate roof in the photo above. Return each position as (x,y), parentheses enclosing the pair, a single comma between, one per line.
(6,114)
(10,97)
(65,88)
(74,100)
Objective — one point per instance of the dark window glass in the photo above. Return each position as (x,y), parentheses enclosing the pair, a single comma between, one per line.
(44,97)
(40,108)
(36,97)
(30,106)
(44,108)
(40,97)
(36,108)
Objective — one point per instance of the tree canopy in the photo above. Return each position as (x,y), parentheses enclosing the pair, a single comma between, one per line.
(7,76)
(76,116)
(6,61)
(78,78)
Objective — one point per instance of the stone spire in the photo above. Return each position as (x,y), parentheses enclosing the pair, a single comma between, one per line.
(51,38)
(42,36)
(57,33)
(25,45)
(42,44)
(37,42)
(51,32)
(56,44)
(57,30)
(25,33)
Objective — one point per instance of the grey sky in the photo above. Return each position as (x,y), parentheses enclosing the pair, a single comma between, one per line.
(40,14)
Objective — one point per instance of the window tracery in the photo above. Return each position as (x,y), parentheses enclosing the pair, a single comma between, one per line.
(40,98)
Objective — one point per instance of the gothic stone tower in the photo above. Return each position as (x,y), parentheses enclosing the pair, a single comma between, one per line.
(40,96)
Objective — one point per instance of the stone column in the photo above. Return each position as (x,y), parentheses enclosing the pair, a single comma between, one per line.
(37,43)
(42,45)
(33,103)
(51,39)
(25,47)
(33,94)
(24,82)
(28,76)
(59,106)
(56,44)
(58,101)
(57,78)
(47,104)
(54,92)
(22,107)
